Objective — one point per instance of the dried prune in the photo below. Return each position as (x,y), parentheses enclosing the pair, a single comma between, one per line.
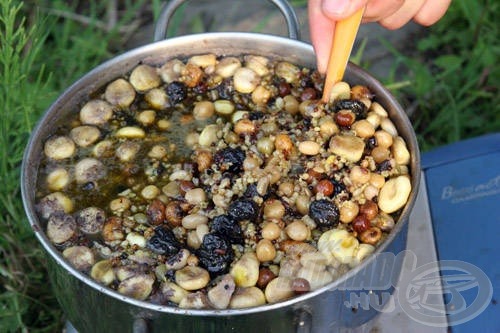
(176,92)
(228,227)
(325,213)
(163,242)
(243,210)
(215,253)
(356,106)
(230,159)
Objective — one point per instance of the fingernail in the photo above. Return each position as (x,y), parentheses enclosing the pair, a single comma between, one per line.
(335,7)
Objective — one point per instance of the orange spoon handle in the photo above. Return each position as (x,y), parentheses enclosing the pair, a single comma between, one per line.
(343,40)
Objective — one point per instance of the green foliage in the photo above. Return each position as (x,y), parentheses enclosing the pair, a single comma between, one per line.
(454,75)
(23,89)
(44,47)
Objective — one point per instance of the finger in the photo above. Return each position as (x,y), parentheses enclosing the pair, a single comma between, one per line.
(321,29)
(340,9)
(378,9)
(431,12)
(403,15)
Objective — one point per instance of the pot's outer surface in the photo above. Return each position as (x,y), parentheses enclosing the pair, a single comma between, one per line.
(91,307)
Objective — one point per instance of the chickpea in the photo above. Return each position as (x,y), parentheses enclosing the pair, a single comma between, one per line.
(363,128)
(120,204)
(275,176)
(359,175)
(157,152)
(370,192)
(150,192)
(380,154)
(265,250)
(377,180)
(283,143)
(203,110)
(195,196)
(244,127)
(163,124)
(144,77)
(270,231)
(245,80)
(286,188)
(384,139)
(273,209)
(120,93)
(157,98)
(269,128)
(250,163)
(112,229)
(302,204)
(204,160)
(192,240)
(327,128)
(261,95)
(297,230)
(291,104)
(231,137)
(265,145)
(359,92)
(348,211)
(146,117)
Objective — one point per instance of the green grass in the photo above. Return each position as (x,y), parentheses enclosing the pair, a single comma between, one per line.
(451,89)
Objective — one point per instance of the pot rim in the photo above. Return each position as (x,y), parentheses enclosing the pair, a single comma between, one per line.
(27,169)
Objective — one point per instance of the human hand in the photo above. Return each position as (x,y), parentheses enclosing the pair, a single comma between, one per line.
(391,14)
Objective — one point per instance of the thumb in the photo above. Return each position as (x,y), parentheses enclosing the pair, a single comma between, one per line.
(340,9)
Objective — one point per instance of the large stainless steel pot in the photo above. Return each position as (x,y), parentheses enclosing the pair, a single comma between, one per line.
(91,307)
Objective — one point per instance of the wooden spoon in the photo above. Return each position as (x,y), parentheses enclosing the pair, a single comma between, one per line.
(343,40)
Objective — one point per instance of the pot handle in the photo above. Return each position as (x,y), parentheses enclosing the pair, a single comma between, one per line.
(171,6)
(304,322)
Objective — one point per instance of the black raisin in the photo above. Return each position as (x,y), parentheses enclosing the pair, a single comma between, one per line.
(228,227)
(371,143)
(385,165)
(251,191)
(89,186)
(256,115)
(170,275)
(163,242)
(230,159)
(225,89)
(338,187)
(325,213)
(215,253)
(176,92)
(243,210)
(356,106)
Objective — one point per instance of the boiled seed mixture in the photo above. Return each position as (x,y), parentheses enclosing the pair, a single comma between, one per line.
(222,182)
